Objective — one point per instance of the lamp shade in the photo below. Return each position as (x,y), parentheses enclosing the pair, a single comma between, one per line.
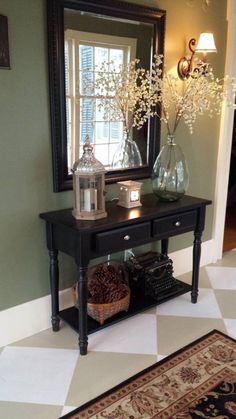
(206,43)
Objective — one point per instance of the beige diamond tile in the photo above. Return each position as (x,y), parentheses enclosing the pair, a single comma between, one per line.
(203,278)
(29,411)
(65,338)
(227,303)
(175,332)
(100,371)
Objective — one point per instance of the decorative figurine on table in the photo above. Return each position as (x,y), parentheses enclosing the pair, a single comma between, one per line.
(129,194)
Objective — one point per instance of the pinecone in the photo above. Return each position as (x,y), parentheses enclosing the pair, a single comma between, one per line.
(106,285)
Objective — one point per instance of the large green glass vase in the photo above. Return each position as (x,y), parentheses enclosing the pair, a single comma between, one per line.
(170,177)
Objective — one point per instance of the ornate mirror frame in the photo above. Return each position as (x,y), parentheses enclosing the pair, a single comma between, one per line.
(113,8)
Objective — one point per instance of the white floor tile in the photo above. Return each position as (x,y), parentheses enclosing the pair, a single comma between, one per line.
(206,306)
(222,277)
(36,375)
(136,335)
(230,325)
(67,409)
(160,357)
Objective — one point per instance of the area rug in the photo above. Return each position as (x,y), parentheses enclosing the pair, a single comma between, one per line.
(198,381)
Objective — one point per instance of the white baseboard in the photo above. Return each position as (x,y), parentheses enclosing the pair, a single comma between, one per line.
(183,259)
(26,319)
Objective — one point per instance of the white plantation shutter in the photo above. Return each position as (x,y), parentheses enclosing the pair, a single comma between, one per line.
(86,59)
(69,102)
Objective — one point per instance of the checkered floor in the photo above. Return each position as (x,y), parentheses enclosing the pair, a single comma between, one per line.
(44,377)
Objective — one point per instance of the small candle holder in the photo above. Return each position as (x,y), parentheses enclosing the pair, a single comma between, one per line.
(129,194)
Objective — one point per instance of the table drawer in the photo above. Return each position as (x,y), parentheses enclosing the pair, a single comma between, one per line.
(123,238)
(174,224)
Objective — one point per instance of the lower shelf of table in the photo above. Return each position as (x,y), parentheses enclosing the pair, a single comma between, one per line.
(138,303)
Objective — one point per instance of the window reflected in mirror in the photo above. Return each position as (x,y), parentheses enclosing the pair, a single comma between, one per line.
(84,58)
(88,55)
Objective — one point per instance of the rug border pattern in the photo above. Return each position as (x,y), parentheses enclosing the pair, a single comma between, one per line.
(113,395)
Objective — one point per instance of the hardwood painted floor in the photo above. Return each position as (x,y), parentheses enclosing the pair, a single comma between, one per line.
(44,377)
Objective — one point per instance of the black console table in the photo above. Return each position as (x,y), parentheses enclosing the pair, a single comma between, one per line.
(122,229)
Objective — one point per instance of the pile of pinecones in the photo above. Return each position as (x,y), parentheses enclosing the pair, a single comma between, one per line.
(106,284)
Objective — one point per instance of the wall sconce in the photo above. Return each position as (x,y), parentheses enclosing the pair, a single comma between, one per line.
(129,194)
(205,44)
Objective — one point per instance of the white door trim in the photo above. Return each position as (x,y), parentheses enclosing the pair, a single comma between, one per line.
(225,140)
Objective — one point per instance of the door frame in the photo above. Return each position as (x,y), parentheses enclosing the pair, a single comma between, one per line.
(225,141)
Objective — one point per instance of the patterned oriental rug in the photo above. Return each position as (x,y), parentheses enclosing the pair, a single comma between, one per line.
(198,381)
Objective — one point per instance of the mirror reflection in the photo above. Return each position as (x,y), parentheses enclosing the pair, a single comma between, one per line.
(83,35)
(97,45)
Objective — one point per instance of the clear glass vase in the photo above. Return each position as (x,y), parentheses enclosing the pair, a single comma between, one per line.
(127,154)
(170,173)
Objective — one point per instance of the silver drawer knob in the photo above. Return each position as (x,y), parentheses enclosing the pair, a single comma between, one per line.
(177,224)
(127,237)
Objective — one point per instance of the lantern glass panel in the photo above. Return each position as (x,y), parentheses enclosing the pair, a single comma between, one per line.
(88,194)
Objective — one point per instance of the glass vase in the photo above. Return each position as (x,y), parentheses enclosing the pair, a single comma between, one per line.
(170,173)
(127,154)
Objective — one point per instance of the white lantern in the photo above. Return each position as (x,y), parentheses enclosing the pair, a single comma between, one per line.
(89,186)
(129,194)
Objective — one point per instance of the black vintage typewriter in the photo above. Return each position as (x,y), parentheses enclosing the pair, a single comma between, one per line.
(152,274)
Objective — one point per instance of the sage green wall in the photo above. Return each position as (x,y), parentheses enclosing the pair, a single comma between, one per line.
(26,170)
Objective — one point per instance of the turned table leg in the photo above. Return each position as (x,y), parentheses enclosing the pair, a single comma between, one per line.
(164,246)
(54,284)
(82,287)
(196,263)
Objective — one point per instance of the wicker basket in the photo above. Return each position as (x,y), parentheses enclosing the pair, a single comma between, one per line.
(101,312)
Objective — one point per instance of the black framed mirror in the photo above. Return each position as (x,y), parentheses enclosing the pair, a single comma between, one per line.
(141,27)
